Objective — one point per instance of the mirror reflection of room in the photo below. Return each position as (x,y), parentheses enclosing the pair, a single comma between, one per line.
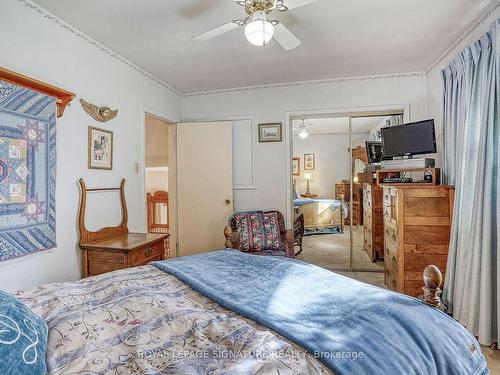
(367,207)
(326,155)
(320,162)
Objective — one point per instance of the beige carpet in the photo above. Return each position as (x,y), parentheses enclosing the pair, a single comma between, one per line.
(331,251)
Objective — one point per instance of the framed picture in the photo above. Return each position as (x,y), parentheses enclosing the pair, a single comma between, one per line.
(100,149)
(270,132)
(296,166)
(309,162)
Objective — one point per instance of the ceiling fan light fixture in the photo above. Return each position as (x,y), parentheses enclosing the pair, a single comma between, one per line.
(259,31)
(303,134)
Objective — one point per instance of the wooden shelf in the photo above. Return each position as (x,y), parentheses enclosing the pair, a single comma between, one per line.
(63,97)
(385,173)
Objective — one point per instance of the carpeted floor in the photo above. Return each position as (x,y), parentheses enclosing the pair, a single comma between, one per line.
(331,251)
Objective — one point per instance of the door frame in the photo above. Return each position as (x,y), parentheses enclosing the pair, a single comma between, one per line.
(172,170)
(349,112)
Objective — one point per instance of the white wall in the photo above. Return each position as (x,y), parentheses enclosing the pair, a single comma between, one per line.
(272,103)
(434,79)
(35,45)
(331,159)
(156,179)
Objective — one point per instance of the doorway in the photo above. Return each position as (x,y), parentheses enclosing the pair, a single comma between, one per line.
(332,185)
(159,169)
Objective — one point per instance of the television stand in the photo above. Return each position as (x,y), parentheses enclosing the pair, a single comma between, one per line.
(433,176)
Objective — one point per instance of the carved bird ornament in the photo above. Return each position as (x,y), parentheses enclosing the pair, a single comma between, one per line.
(101,114)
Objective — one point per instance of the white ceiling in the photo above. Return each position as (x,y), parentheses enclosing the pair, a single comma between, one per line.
(338,125)
(339,38)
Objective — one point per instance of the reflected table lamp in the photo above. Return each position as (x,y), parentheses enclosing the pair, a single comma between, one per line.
(308,176)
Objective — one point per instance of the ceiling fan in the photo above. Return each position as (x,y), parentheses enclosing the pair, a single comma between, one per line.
(260,27)
(301,130)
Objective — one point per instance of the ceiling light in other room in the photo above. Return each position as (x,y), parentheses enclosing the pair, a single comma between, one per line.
(260,31)
(303,134)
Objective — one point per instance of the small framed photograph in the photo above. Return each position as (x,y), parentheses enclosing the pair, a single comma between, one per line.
(270,132)
(100,149)
(296,166)
(309,162)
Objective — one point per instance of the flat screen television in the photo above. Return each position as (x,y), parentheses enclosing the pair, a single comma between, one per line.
(374,151)
(409,139)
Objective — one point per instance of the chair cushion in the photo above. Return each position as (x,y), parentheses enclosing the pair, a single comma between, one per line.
(259,231)
(23,338)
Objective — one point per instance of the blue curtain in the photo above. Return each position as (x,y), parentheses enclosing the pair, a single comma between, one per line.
(471,163)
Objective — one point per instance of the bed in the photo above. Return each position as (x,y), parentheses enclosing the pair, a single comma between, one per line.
(322,215)
(191,315)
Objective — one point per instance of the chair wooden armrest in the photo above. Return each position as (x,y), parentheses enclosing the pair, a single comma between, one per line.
(289,243)
(232,238)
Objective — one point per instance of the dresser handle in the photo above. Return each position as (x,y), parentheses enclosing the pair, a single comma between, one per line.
(148,252)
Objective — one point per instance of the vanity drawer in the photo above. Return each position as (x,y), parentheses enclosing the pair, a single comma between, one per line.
(146,254)
(103,261)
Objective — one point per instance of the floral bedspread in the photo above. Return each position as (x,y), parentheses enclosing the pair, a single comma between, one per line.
(145,321)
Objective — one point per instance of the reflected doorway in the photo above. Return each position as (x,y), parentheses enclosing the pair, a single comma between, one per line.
(158,175)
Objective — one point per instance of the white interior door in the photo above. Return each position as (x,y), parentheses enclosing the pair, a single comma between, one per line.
(204,185)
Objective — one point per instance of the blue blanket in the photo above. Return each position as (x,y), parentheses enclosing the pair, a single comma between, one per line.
(302,201)
(352,327)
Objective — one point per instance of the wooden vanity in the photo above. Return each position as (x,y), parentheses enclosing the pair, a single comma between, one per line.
(114,248)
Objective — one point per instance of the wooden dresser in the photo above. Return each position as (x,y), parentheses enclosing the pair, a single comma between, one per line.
(342,192)
(417,224)
(373,221)
(114,248)
(122,251)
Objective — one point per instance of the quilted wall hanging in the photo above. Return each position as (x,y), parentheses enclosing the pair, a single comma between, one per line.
(27,171)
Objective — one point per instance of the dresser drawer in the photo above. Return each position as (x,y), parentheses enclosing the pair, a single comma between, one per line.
(367,195)
(146,254)
(390,233)
(105,261)
(391,256)
(368,217)
(391,278)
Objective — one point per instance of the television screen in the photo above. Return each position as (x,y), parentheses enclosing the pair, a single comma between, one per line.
(409,139)
(374,151)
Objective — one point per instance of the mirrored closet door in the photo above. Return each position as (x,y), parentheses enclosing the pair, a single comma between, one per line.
(335,198)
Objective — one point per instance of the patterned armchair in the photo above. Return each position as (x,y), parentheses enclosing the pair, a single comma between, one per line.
(259,233)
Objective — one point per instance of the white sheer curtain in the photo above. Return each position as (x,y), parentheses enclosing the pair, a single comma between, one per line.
(471,163)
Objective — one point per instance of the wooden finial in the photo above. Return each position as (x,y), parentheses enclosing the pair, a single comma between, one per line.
(228,233)
(432,280)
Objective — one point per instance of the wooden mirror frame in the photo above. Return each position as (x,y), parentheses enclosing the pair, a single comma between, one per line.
(152,200)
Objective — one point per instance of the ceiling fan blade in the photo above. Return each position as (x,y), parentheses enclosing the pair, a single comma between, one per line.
(215,32)
(285,37)
(292,4)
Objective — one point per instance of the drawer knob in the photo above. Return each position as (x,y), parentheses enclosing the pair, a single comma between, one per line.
(148,251)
